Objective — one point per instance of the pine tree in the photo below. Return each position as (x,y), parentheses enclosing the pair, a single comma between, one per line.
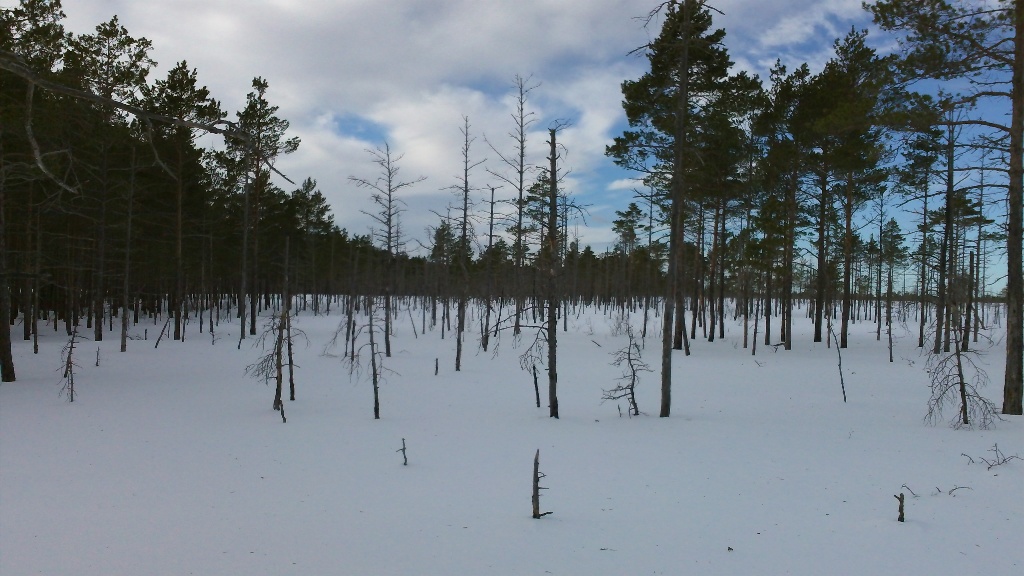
(254,159)
(688,63)
(180,96)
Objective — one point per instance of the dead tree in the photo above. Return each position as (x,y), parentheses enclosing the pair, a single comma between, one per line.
(405,458)
(554,268)
(271,363)
(537,475)
(629,359)
(353,354)
(517,163)
(69,365)
(278,365)
(485,331)
(839,355)
(955,376)
(374,371)
(956,379)
(463,250)
(385,188)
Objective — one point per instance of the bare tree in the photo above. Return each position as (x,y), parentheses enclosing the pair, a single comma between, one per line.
(485,333)
(630,360)
(955,376)
(68,364)
(553,255)
(462,252)
(516,162)
(537,475)
(385,188)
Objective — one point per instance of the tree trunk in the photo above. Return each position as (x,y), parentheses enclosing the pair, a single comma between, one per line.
(178,295)
(946,247)
(923,296)
(844,329)
(789,254)
(888,313)
(242,292)
(1013,386)
(125,295)
(713,274)
(968,306)
(822,279)
(553,299)
(6,355)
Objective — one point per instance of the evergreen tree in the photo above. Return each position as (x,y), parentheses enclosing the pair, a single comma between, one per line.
(180,96)
(254,159)
(688,64)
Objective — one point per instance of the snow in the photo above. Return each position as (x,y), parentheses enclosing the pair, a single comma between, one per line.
(171,461)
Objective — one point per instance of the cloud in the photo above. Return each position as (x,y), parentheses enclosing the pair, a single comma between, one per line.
(624,184)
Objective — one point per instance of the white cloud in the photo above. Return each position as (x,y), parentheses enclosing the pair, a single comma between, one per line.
(624,184)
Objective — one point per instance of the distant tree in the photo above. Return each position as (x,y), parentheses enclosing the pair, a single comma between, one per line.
(314,223)
(625,227)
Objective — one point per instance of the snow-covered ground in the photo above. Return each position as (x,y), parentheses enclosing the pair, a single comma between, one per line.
(170,461)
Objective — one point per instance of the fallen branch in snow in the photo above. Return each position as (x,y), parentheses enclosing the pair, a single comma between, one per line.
(998,460)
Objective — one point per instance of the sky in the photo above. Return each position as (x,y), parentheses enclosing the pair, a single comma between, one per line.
(351,74)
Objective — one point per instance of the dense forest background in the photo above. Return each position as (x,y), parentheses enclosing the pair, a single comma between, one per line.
(879,181)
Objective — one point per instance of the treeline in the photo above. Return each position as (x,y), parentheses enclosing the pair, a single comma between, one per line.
(764,192)
(789,187)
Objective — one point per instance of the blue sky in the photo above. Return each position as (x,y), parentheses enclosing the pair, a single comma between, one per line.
(348,74)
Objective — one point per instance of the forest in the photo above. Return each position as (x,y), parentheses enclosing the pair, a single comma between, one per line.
(124,197)
(801,354)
